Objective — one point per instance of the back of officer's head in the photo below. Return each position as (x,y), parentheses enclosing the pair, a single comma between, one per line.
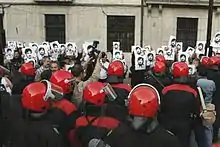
(77,70)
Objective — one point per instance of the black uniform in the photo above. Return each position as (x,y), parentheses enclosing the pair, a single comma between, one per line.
(117,108)
(179,105)
(214,75)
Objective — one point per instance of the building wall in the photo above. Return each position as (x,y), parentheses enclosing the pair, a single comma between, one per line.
(85,23)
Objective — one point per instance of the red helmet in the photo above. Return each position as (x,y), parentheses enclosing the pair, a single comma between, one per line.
(205,61)
(214,60)
(180,69)
(143,101)
(61,78)
(33,97)
(28,69)
(93,93)
(160,58)
(116,68)
(159,67)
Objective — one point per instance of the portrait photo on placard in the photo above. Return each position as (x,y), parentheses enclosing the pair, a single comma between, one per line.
(28,53)
(200,47)
(70,49)
(179,47)
(62,48)
(11,44)
(151,56)
(172,42)
(85,47)
(169,54)
(137,50)
(190,51)
(117,55)
(42,51)
(20,44)
(116,46)
(140,62)
(148,48)
(9,53)
(54,47)
(183,57)
(160,51)
(34,47)
(216,40)
(192,69)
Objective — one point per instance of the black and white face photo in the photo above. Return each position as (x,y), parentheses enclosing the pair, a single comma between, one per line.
(169,52)
(117,55)
(178,47)
(190,70)
(140,61)
(217,39)
(11,44)
(34,47)
(70,47)
(200,47)
(28,53)
(116,46)
(42,51)
(182,58)
(150,57)
(62,47)
(138,50)
(160,52)
(173,42)
(9,52)
(55,48)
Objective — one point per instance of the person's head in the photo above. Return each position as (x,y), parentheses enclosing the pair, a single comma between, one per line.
(34,47)
(138,50)
(62,79)
(160,52)
(200,46)
(62,47)
(202,70)
(45,44)
(78,71)
(182,58)
(104,57)
(116,46)
(150,57)
(159,67)
(116,72)
(42,51)
(70,46)
(140,61)
(196,62)
(55,47)
(190,71)
(217,38)
(180,71)
(117,55)
(16,54)
(9,51)
(37,97)
(160,58)
(173,42)
(178,46)
(46,61)
(28,69)
(143,105)
(54,66)
(28,53)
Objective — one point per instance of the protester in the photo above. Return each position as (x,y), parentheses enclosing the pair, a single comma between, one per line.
(45,66)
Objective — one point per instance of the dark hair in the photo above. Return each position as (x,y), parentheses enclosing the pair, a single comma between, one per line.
(150,54)
(41,48)
(69,45)
(173,40)
(55,45)
(140,58)
(103,54)
(160,51)
(27,50)
(62,46)
(200,44)
(9,50)
(90,46)
(202,71)
(182,56)
(77,70)
(117,53)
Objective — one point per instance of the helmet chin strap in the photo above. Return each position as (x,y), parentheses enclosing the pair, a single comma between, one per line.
(146,125)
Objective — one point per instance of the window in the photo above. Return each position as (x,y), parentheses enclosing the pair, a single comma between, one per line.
(187,31)
(120,29)
(55,28)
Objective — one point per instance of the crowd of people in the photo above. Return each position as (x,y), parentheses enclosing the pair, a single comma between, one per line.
(50,104)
